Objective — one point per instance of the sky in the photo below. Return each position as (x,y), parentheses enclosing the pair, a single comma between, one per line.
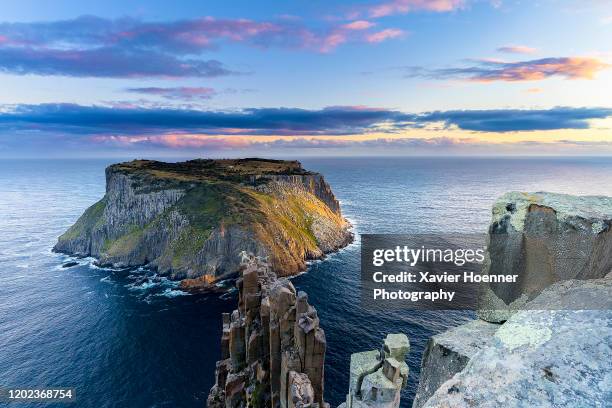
(323,78)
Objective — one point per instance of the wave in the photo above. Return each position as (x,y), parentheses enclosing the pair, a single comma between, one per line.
(147,284)
(228,294)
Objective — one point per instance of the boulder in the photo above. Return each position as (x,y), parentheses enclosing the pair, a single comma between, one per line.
(301,394)
(543,238)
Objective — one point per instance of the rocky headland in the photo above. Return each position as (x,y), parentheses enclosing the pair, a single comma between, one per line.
(191,220)
(546,342)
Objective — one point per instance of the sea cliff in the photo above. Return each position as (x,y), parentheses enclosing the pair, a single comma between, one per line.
(191,220)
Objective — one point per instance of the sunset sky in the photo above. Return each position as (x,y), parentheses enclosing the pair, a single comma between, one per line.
(284,78)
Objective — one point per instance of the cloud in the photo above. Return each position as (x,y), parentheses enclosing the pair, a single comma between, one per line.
(90,46)
(106,62)
(177,93)
(358,25)
(534,90)
(356,30)
(490,70)
(514,120)
(341,146)
(384,35)
(126,120)
(226,143)
(78,119)
(517,49)
(407,6)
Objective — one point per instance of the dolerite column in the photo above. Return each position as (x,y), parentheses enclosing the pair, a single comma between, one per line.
(250,303)
(290,363)
(272,346)
(237,342)
(282,318)
(310,344)
(264,313)
(225,337)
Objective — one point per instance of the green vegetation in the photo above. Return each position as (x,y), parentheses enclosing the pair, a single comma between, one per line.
(89,221)
(125,244)
(257,396)
(190,241)
(154,175)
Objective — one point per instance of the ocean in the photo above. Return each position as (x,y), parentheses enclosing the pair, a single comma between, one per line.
(132,339)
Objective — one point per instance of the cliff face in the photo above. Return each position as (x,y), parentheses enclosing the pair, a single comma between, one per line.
(544,238)
(192,219)
(272,348)
(546,341)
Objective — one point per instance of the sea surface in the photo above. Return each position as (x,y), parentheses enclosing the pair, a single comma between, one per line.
(132,339)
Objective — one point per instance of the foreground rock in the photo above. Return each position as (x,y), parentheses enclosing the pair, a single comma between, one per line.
(543,358)
(191,220)
(448,353)
(544,238)
(553,345)
(273,350)
(378,376)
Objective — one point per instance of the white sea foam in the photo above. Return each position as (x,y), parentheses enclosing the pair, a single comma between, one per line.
(172,293)
(142,286)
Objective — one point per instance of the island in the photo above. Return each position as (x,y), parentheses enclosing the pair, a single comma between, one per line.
(191,220)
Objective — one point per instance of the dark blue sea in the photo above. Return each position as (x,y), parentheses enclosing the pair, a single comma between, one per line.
(128,339)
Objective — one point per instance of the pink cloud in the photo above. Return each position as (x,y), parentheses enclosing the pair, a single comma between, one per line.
(90,46)
(407,6)
(384,35)
(333,40)
(173,141)
(359,25)
(570,68)
(517,49)
(200,141)
(356,31)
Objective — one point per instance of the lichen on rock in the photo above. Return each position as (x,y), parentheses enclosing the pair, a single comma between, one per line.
(543,358)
